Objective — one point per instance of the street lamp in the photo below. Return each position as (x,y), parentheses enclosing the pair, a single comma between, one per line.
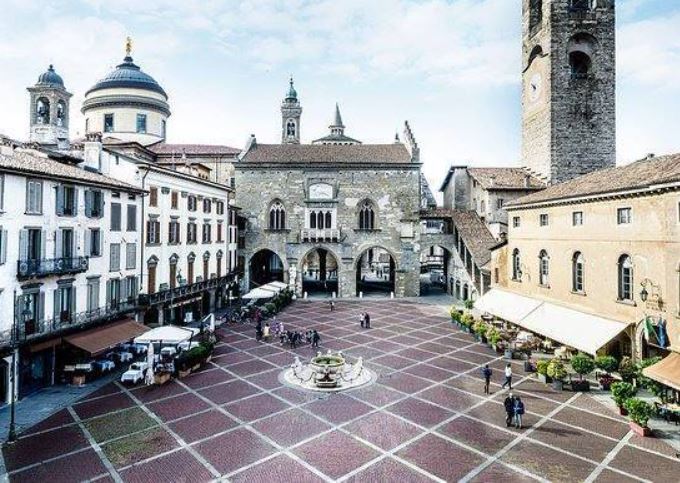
(644,294)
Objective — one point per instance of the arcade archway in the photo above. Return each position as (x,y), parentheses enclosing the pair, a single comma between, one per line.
(375,272)
(265,266)
(319,273)
(434,270)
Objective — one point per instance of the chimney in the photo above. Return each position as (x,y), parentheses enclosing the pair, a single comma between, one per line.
(92,151)
(503,236)
(493,180)
(527,180)
(650,156)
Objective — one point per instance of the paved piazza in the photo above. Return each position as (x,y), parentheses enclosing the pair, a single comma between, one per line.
(424,419)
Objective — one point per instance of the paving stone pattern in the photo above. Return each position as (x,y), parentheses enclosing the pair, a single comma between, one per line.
(424,419)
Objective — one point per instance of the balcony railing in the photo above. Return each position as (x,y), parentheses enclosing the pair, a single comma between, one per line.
(316,235)
(186,290)
(27,330)
(51,266)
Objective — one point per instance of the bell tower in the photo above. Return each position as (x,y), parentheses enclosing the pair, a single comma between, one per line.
(290,117)
(49,110)
(568,87)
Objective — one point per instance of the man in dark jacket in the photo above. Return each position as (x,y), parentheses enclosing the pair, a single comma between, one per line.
(367,322)
(486,372)
(315,339)
(509,404)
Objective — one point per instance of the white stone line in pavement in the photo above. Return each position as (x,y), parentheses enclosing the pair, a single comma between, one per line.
(610,456)
(177,437)
(95,446)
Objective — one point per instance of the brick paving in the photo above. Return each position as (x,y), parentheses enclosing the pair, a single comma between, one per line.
(424,419)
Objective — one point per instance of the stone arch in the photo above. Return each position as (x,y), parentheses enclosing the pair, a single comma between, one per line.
(435,269)
(581,49)
(324,277)
(42,110)
(375,275)
(258,275)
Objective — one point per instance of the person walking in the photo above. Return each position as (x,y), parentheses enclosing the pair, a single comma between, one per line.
(266,332)
(486,372)
(508,377)
(315,339)
(519,411)
(258,331)
(362,319)
(367,320)
(332,304)
(509,404)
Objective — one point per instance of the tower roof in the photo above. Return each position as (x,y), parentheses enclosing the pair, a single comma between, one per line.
(292,93)
(50,78)
(337,122)
(128,74)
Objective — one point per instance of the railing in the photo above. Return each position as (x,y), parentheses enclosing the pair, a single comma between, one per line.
(51,266)
(184,290)
(319,235)
(27,330)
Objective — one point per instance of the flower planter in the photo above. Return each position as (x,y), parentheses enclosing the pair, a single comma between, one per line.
(544,378)
(580,386)
(508,354)
(558,385)
(640,430)
(161,378)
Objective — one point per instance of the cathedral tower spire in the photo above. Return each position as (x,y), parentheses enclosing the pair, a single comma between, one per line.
(291,111)
(49,110)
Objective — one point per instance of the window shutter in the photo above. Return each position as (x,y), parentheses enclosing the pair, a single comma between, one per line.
(73,303)
(75,201)
(101,205)
(60,200)
(58,244)
(88,242)
(108,293)
(88,203)
(3,251)
(122,296)
(56,304)
(41,307)
(23,245)
(43,244)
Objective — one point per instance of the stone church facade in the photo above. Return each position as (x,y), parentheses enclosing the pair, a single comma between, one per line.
(337,206)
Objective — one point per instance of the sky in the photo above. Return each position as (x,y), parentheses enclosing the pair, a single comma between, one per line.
(451,68)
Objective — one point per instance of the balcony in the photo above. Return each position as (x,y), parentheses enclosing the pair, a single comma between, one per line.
(182,291)
(312,235)
(36,268)
(29,330)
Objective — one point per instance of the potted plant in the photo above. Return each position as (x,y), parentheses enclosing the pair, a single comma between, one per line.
(480,329)
(542,371)
(582,364)
(493,337)
(466,321)
(621,392)
(608,364)
(627,369)
(455,315)
(469,304)
(639,412)
(557,373)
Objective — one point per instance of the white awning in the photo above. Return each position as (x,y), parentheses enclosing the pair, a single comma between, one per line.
(170,334)
(582,331)
(279,285)
(573,328)
(506,305)
(259,293)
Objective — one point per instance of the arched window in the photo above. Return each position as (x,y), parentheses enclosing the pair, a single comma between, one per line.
(277,216)
(329,219)
(312,219)
(366,216)
(625,268)
(319,219)
(543,268)
(577,265)
(580,64)
(42,111)
(61,113)
(190,267)
(516,263)
(290,128)
(581,49)
(173,275)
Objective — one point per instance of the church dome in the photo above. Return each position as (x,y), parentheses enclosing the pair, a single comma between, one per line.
(50,78)
(128,74)
(292,93)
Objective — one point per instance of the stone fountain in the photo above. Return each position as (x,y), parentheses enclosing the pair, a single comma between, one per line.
(327,373)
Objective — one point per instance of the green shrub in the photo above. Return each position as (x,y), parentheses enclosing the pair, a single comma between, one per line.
(493,335)
(582,364)
(628,369)
(454,313)
(639,411)
(480,328)
(652,386)
(197,355)
(270,308)
(556,370)
(467,320)
(607,364)
(621,392)
(469,304)
(542,366)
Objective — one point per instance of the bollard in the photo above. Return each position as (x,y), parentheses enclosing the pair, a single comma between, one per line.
(391,295)
(361,295)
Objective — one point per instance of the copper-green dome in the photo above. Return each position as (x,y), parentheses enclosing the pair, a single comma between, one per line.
(128,74)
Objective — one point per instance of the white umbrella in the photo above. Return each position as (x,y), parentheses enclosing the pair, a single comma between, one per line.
(212,323)
(259,293)
(150,361)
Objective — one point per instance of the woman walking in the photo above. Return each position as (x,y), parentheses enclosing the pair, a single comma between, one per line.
(519,411)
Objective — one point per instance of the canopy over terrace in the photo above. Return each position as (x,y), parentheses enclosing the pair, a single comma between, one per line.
(666,371)
(266,291)
(169,334)
(100,339)
(573,328)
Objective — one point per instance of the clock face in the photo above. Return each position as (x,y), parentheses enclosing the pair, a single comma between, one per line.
(321,191)
(535,86)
